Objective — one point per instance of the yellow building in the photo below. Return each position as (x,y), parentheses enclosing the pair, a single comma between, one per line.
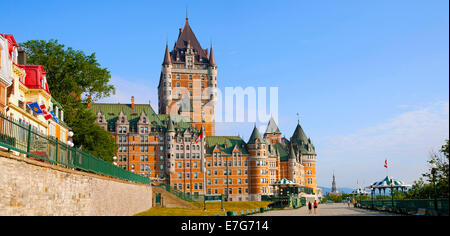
(29,84)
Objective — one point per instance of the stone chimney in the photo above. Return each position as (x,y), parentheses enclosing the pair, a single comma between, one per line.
(132,102)
(22,57)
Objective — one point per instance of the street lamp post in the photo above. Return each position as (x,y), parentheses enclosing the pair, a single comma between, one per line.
(433,176)
(115,160)
(392,194)
(371,192)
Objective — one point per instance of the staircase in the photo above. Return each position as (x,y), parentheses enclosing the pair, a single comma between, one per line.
(171,201)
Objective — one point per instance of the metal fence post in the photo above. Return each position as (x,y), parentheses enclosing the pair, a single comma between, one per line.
(56,157)
(29,140)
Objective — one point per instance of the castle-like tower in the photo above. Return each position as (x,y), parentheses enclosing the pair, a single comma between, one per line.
(258,166)
(306,150)
(188,81)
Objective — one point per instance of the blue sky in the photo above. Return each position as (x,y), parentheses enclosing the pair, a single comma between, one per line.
(369,78)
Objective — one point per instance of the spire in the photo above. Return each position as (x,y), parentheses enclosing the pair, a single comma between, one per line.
(212,61)
(167,60)
(292,153)
(170,127)
(187,18)
(255,136)
(272,127)
(333,185)
(299,135)
(187,35)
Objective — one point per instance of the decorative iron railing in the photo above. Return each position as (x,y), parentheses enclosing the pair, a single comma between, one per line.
(23,139)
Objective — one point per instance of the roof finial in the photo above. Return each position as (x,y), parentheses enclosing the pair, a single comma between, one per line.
(298,118)
(187,14)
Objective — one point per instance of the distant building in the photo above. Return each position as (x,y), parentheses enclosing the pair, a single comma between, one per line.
(334,189)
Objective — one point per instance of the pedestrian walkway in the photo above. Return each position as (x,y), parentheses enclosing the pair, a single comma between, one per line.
(335,209)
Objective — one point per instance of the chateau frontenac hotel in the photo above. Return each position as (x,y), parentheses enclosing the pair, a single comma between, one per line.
(169,147)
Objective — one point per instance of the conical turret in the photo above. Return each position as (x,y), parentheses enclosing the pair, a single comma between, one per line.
(255,136)
(167,59)
(212,60)
(272,127)
(292,153)
(170,127)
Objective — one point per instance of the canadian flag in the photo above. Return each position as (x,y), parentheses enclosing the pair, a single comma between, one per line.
(200,137)
(47,116)
(385,164)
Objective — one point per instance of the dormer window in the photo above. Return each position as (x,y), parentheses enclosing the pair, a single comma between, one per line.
(100,119)
(144,120)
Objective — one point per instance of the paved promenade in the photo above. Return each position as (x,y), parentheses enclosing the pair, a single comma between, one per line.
(335,209)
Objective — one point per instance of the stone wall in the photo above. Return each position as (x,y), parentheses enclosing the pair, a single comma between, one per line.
(29,187)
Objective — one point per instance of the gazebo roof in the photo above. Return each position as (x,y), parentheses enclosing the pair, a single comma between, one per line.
(359,191)
(386,183)
(285,182)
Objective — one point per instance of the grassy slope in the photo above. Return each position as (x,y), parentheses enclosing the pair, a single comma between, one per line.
(211,209)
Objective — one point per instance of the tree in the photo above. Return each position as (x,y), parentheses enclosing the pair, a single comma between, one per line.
(91,137)
(72,77)
(423,189)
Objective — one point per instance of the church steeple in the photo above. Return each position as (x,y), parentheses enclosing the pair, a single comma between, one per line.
(334,189)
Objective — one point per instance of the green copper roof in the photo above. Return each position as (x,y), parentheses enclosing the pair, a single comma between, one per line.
(112,111)
(302,141)
(175,118)
(282,151)
(255,136)
(225,143)
(180,122)
(272,127)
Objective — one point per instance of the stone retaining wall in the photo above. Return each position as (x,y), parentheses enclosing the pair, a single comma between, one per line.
(29,187)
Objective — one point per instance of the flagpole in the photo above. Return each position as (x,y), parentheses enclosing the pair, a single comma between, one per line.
(386,166)
(204,162)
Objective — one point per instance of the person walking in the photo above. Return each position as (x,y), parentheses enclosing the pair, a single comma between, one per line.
(348,202)
(315,207)
(354,202)
(309,208)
